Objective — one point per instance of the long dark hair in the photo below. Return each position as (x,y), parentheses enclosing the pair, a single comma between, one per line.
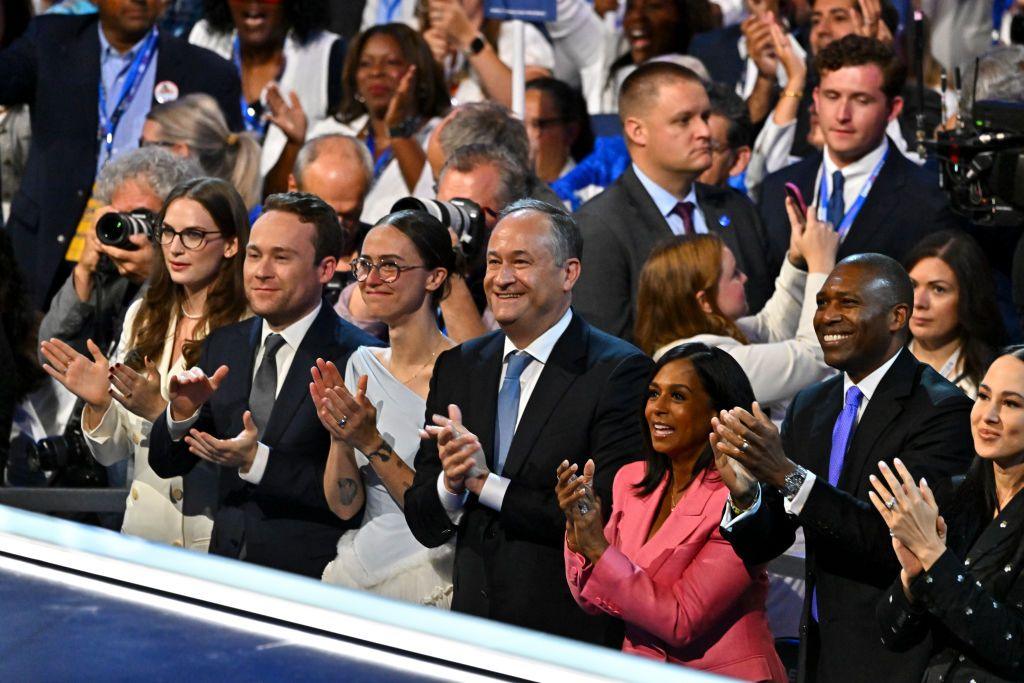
(572,108)
(979,324)
(225,302)
(726,385)
(305,17)
(431,96)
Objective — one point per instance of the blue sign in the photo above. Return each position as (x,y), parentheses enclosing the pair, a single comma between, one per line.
(524,10)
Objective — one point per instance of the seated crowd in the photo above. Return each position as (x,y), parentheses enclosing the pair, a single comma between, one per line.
(322,302)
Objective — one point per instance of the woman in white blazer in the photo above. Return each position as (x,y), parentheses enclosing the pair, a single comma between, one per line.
(196,286)
(692,291)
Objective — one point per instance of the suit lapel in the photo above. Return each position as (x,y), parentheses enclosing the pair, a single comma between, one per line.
(883,408)
(681,523)
(566,362)
(880,202)
(823,421)
(651,219)
(481,411)
(82,61)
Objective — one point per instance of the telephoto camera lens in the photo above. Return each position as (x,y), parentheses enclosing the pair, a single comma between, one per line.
(114,229)
(464,216)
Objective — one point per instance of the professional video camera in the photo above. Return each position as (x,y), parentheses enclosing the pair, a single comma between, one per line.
(464,216)
(114,229)
(982,164)
(54,461)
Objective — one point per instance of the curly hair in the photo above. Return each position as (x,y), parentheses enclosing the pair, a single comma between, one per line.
(854,50)
(305,17)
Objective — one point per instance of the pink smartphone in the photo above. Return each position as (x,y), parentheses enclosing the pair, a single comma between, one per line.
(794,193)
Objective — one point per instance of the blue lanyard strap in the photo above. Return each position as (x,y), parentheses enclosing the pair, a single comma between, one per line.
(380,163)
(252,114)
(858,204)
(139,66)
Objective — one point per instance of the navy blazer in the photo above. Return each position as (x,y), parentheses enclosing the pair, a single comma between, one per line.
(55,68)
(904,205)
(719,52)
(622,225)
(915,415)
(587,404)
(285,521)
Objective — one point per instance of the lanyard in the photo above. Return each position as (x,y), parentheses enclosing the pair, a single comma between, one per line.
(858,204)
(385,157)
(252,114)
(386,11)
(139,66)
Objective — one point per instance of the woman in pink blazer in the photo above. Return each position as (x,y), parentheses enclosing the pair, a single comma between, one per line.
(660,563)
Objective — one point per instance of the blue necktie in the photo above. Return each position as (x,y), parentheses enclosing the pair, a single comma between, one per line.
(841,434)
(836,206)
(508,406)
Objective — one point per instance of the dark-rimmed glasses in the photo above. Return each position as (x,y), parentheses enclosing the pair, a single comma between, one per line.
(191,238)
(387,271)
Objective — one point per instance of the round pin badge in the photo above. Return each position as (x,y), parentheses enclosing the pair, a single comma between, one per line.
(165,91)
(724,221)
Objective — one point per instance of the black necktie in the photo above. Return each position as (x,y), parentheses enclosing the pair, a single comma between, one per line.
(264,384)
(836,206)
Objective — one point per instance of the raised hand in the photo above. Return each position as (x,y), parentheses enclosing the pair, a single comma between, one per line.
(287,115)
(910,512)
(401,106)
(449,17)
(189,390)
(753,440)
(138,392)
(354,417)
(87,379)
(871,24)
(740,482)
(817,241)
(438,44)
(237,452)
(568,492)
(459,450)
(588,529)
(757,30)
(794,66)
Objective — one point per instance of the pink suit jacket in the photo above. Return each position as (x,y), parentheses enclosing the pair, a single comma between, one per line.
(684,595)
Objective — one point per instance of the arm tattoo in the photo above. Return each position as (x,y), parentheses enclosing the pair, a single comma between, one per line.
(347,489)
(384,452)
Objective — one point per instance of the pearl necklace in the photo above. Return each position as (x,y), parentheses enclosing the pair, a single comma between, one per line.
(181,307)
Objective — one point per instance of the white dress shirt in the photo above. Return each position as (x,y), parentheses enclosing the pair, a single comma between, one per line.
(794,506)
(293,336)
(493,492)
(666,202)
(854,177)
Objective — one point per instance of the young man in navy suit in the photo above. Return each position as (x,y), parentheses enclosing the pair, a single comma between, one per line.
(244,413)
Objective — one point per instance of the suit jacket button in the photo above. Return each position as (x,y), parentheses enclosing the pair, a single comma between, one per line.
(61,239)
(176,494)
(135,493)
(80,193)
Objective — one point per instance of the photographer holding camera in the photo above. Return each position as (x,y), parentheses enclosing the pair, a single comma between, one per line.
(92,302)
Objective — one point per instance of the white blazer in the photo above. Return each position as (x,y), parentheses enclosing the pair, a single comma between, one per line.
(783,355)
(154,507)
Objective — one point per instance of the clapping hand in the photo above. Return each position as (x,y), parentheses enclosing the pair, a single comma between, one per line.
(584,533)
(286,115)
(402,105)
(752,440)
(189,390)
(912,515)
(139,392)
(460,452)
(794,66)
(238,452)
(450,18)
(757,30)
(87,379)
(740,482)
(352,419)
(871,24)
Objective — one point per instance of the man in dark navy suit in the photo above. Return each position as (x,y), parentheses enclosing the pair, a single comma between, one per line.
(664,109)
(245,410)
(875,197)
(65,67)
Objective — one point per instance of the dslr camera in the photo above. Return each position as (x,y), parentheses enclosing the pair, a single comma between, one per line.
(114,229)
(982,164)
(464,216)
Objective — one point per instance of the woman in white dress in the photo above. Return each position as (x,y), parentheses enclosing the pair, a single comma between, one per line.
(196,287)
(375,415)
(956,325)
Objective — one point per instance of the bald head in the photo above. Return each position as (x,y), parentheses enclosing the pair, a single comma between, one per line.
(884,277)
(343,153)
(640,90)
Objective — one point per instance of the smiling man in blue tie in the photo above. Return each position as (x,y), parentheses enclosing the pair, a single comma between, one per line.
(884,404)
(510,407)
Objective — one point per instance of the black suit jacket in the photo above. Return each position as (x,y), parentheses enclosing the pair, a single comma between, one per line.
(622,225)
(719,52)
(915,415)
(904,205)
(55,68)
(587,404)
(284,522)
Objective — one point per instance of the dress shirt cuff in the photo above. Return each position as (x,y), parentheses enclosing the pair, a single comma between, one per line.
(104,429)
(796,505)
(451,502)
(177,429)
(492,494)
(728,519)
(259,465)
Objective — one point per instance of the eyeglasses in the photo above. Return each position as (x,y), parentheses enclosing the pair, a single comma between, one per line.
(387,271)
(191,238)
(154,143)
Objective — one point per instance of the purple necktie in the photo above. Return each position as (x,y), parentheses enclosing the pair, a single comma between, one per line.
(685,211)
(841,434)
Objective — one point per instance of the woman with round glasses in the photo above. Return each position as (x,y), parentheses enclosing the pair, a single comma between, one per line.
(375,414)
(196,287)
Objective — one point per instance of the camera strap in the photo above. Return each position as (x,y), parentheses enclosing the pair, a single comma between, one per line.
(139,66)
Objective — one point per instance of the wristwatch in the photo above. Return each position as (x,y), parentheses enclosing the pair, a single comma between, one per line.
(406,129)
(476,47)
(794,480)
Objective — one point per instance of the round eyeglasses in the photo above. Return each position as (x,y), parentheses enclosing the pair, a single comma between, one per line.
(191,238)
(387,271)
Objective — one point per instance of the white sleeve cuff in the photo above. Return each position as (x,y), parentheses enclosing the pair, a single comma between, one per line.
(795,505)
(177,429)
(259,465)
(492,494)
(451,502)
(728,520)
